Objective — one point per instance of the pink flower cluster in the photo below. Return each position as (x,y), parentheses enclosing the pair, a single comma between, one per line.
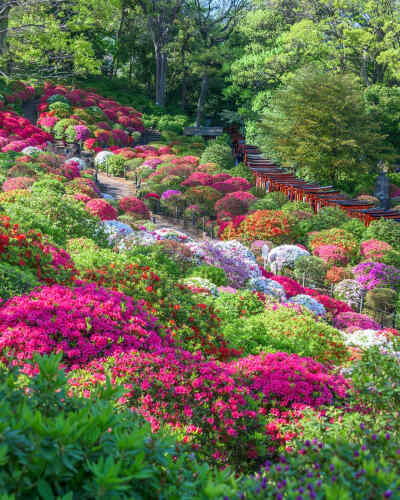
(17,183)
(85,323)
(374,249)
(333,255)
(351,319)
(220,405)
(236,203)
(102,209)
(133,205)
(17,133)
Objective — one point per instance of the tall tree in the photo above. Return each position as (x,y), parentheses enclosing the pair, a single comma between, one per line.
(318,124)
(215,21)
(161,16)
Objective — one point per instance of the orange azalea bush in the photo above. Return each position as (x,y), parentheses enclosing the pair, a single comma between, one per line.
(335,236)
(273,225)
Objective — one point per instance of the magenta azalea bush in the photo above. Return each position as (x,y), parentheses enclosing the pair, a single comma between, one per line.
(351,319)
(220,405)
(85,323)
(375,274)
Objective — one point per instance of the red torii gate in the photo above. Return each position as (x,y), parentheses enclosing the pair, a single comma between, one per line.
(270,177)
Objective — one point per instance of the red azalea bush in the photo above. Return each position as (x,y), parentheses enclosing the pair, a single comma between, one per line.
(273,225)
(220,406)
(102,209)
(71,170)
(236,203)
(84,323)
(31,250)
(17,183)
(374,249)
(133,205)
(333,255)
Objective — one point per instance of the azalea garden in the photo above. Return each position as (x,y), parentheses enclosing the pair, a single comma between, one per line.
(169,328)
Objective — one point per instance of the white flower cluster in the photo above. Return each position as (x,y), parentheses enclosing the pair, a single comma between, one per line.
(101,157)
(349,291)
(31,150)
(197,282)
(284,255)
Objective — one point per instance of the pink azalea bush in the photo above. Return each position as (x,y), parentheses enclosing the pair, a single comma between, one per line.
(85,323)
(351,319)
(198,179)
(102,209)
(17,183)
(374,249)
(236,203)
(220,405)
(333,255)
(133,205)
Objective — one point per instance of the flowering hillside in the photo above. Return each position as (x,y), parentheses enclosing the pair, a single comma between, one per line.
(133,350)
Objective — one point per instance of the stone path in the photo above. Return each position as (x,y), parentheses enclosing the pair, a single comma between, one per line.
(119,188)
(115,186)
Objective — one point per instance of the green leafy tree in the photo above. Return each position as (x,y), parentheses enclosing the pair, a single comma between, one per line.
(319,126)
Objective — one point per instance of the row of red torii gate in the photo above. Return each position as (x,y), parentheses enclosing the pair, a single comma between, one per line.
(270,177)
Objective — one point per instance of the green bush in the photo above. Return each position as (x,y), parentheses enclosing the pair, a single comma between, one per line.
(115,165)
(60,217)
(220,154)
(311,269)
(385,230)
(286,330)
(54,445)
(47,184)
(15,281)
(355,227)
(231,306)
(241,170)
(391,258)
(294,206)
(212,273)
(271,201)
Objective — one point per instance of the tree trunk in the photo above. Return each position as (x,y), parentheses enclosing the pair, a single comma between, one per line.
(184,91)
(202,99)
(161,75)
(364,68)
(3,28)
